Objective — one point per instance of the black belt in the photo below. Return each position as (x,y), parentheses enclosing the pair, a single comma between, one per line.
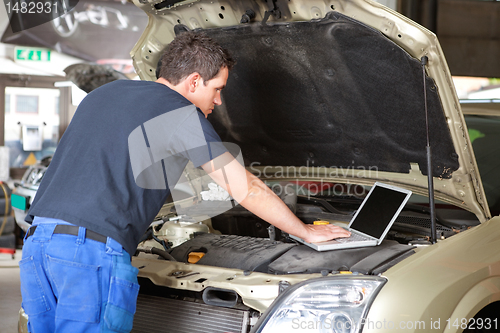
(72,230)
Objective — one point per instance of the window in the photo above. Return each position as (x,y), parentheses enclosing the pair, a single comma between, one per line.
(56,104)
(26,104)
(477,88)
(31,107)
(7,103)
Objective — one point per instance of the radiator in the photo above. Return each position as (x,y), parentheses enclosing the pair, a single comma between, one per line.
(158,314)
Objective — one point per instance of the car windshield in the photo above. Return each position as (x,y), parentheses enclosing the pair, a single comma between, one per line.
(484,133)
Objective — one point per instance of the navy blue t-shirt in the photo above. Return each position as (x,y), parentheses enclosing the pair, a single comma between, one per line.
(127,143)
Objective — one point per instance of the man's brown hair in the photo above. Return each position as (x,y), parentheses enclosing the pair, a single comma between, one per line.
(193,52)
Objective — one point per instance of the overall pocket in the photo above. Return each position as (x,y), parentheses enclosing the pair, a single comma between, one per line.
(78,289)
(34,298)
(122,298)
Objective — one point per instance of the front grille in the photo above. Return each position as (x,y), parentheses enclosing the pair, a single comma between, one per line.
(158,314)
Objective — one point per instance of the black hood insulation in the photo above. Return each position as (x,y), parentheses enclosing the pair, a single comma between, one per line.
(331,92)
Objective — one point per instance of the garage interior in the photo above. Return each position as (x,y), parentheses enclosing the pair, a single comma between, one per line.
(468,31)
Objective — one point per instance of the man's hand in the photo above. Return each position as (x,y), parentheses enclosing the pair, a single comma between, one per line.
(254,195)
(321,233)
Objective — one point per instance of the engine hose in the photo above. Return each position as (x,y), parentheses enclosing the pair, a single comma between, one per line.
(164,254)
(150,235)
(162,242)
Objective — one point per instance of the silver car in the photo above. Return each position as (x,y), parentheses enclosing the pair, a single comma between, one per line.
(25,191)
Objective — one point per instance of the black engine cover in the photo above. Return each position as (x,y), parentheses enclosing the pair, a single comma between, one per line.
(266,256)
(245,253)
(365,260)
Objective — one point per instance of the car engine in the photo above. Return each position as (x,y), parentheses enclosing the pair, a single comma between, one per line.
(237,239)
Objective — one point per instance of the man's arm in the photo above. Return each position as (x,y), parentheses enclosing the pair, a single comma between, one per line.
(254,195)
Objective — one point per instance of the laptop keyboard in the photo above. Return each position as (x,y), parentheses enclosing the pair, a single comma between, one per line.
(353,238)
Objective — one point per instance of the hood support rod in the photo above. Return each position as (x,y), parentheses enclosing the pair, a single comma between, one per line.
(430,180)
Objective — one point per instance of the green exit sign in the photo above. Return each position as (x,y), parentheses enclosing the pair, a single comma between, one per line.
(32,54)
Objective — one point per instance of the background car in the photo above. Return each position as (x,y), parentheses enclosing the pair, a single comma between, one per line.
(93,30)
(483,123)
(24,192)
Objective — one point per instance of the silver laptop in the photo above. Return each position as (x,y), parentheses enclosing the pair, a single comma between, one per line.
(372,220)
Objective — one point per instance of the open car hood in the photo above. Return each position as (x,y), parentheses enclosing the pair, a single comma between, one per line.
(334,89)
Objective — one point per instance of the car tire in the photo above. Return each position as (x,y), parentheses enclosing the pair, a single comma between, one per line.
(7,189)
(2,207)
(8,241)
(10,225)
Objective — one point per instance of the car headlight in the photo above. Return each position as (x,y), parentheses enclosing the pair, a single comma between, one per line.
(329,304)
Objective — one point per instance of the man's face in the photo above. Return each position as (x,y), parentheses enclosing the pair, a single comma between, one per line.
(207,96)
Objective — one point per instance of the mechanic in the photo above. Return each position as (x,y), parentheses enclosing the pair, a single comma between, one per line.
(106,184)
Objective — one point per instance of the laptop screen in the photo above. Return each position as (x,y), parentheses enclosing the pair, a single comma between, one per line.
(378,210)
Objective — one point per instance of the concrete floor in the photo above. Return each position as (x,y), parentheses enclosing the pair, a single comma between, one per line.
(10,292)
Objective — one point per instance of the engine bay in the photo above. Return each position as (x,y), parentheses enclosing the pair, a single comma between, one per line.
(226,270)
(238,239)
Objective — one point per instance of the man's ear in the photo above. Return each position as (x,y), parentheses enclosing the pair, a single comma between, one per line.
(194,80)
